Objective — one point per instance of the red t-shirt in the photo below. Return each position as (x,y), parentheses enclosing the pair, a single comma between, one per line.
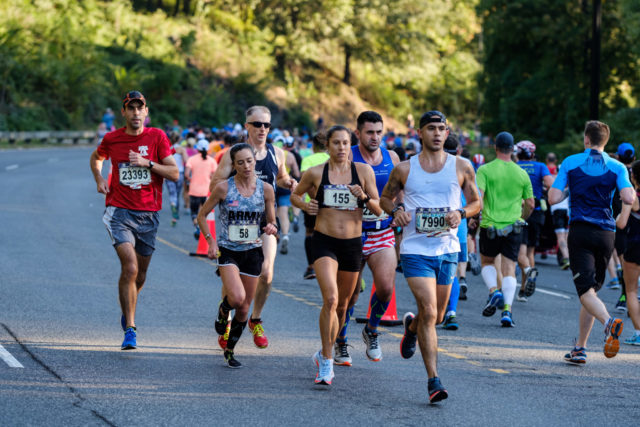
(135,188)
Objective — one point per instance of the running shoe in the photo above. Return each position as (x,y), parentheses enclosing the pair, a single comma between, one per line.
(463,289)
(408,342)
(507,320)
(474,263)
(521,296)
(222,339)
(530,283)
(450,322)
(634,340)
(231,361)
(129,342)
(341,355)
(222,321)
(284,245)
(577,356)
(123,323)
(325,369)
(296,225)
(611,333)
(495,301)
(259,338)
(565,264)
(371,341)
(621,305)
(174,212)
(613,283)
(399,268)
(309,274)
(196,233)
(436,391)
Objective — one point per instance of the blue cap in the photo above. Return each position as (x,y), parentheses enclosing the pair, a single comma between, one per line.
(626,150)
(504,140)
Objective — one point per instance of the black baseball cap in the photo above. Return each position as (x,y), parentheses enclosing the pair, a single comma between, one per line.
(134,95)
(451,144)
(433,116)
(504,141)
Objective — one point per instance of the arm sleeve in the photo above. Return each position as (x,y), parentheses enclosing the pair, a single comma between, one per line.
(164,147)
(103,148)
(544,170)
(561,179)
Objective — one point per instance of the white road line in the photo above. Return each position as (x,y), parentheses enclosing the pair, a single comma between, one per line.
(555,294)
(9,359)
(11,167)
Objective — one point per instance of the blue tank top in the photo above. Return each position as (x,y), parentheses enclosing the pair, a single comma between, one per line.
(382,171)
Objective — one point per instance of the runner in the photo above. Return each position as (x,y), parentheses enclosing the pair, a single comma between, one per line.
(282,198)
(560,216)
(245,202)
(318,157)
(591,177)
(140,159)
(540,177)
(290,148)
(342,189)
(377,238)
(629,220)
(270,169)
(432,183)
(503,186)
(198,173)
(175,188)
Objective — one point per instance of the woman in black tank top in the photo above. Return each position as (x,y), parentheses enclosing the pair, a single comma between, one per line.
(341,189)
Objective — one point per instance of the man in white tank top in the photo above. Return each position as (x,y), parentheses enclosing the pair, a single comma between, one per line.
(430,215)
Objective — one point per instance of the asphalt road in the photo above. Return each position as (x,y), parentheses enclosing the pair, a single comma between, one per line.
(59,320)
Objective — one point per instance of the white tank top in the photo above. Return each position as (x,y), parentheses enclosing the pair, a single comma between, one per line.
(427,197)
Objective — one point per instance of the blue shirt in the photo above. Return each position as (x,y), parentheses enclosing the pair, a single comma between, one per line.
(537,171)
(382,172)
(592,178)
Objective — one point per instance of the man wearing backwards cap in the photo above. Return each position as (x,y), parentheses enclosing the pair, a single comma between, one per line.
(140,159)
(540,176)
(503,186)
(430,216)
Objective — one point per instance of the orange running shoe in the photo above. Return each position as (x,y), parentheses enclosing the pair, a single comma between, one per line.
(259,338)
(222,339)
(612,331)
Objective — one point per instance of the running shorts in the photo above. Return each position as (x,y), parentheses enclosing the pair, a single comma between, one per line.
(377,240)
(136,227)
(249,262)
(508,245)
(590,248)
(560,220)
(348,252)
(442,267)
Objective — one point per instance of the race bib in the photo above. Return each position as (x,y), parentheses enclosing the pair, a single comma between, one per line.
(431,222)
(369,216)
(133,176)
(339,197)
(244,232)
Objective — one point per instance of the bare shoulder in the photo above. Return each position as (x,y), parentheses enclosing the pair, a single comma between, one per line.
(268,189)
(464,166)
(395,159)
(401,170)
(363,168)
(221,188)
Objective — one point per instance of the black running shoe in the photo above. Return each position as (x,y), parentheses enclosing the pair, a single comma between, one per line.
(222,320)
(436,391)
(463,289)
(408,342)
(231,361)
(309,274)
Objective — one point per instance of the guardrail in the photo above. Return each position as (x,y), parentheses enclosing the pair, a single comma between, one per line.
(60,137)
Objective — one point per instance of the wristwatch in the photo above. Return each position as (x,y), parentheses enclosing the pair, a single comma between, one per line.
(463,213)
(151,164)
(396,209)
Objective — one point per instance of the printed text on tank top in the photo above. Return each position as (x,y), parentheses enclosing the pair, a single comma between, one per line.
(337,196)
(243,213)
(431,220)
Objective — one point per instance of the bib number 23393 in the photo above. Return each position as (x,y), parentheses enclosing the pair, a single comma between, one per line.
(431,222)
(243,232)
(339,197)
(133,176)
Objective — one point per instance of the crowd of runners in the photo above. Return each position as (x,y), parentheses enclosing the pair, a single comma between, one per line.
(428,209)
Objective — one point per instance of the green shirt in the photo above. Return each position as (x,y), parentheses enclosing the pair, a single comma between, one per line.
(504,185)
(313,160)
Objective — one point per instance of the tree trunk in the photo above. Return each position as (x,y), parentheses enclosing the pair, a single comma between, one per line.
(281,63)
(176,9)
(187,7)
(347,65)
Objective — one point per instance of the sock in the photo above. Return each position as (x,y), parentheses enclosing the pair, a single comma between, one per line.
(507,307)
(307,248)
(378,308)
(235,332)
(342,335)
(509,285)
(526,270)
(286,236)
(637,331)
(490,276)
(450,313)
(454,296)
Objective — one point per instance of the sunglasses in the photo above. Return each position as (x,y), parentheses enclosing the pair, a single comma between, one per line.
(260,124)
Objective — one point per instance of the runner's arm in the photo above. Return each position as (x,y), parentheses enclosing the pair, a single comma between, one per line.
(623,216)
(470,190)
(390,193)
(223,172)
(95,162)
(627,195)
(283,179)
(217,195)
(306,185)
(369,191)
(270,210)
(293,166)
(527,207)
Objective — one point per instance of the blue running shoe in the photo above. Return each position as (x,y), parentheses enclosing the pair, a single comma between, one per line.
(123,323)
(495,301)
(530,282)
(408,342)
(436,391)
(634,340)
(577,356)
(450,322)
(507,320)
(129,342)
(613,284)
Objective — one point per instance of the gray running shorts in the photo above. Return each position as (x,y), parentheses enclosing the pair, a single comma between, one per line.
(136,227)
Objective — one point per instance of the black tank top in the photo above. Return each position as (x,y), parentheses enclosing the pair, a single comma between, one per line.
(267,168)
(325,181)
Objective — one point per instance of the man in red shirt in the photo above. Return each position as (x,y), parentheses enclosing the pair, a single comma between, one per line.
(140,159)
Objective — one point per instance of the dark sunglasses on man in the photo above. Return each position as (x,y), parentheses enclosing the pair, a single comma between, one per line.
(260,124)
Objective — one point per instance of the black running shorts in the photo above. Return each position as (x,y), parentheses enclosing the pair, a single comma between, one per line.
(508,246)
(249,262)
(348,252)
(590,248)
